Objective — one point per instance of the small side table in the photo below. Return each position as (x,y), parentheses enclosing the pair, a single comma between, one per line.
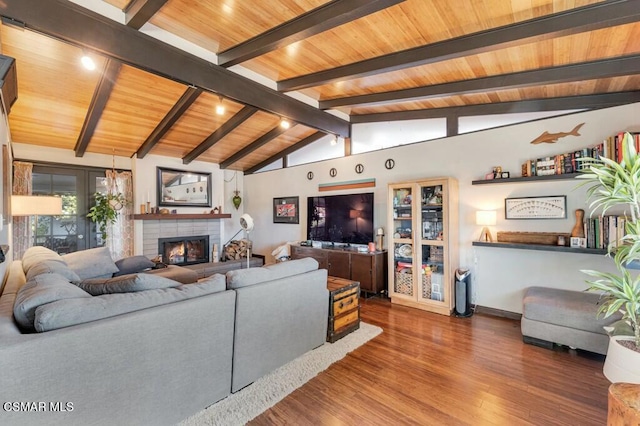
(624,404)
(344,307)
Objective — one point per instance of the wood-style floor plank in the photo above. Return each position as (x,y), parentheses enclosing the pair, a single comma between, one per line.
(429,369)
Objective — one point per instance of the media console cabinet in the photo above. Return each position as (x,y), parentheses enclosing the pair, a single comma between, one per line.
(369,269)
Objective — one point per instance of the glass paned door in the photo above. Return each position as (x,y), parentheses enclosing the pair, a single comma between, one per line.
(64,233)
(403,214)
(432,243)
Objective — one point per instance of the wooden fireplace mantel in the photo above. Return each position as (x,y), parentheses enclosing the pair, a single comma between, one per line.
(181,216)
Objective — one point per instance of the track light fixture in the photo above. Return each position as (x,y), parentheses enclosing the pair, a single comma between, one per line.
(220,107)
(88,62)
(334,140)
(284,123)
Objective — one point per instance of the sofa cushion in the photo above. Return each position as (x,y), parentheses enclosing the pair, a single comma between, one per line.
(244,277)
(132,265)
(40,290)
(65,313)
(36,254)
(574,309)
(125,284)
(52,267)
(91,263)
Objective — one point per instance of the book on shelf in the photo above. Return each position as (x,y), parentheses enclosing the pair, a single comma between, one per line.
(603,231)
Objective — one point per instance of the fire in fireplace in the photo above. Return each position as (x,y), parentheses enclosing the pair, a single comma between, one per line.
(184,250)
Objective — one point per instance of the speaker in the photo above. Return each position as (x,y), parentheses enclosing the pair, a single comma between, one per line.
(463,293)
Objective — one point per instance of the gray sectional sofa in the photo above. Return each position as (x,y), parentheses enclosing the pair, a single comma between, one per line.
(80,348)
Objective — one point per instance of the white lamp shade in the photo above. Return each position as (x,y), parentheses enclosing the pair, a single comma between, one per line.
(246,222)
(486,217)
(27,205)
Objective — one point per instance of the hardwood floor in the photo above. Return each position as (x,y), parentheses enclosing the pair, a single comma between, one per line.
(430,369)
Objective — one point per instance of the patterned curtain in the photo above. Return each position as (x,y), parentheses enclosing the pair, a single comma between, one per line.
(22,232)
(120,234)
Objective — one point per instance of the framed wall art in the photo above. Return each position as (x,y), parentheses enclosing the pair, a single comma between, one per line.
(286,210)
(547,207)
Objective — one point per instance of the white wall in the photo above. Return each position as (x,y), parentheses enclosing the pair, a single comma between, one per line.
(499,275)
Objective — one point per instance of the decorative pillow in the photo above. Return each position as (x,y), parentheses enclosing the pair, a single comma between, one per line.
(126,284)
(40,290)
(132,265)
(52,267)
(36,254)
(92,263)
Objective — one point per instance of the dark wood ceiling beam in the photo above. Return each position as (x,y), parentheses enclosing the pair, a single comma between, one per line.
(227,127)
(323,18)
(531,105)
(71,23)
(283,154)
(262,140)
(181,106)
(139,12)
(96,107)
(587,18)
(608,68)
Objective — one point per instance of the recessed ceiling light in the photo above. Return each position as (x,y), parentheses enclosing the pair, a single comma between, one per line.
(284,123)
(88,62)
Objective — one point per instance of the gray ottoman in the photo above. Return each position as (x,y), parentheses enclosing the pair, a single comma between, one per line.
(564,317)
(176,273)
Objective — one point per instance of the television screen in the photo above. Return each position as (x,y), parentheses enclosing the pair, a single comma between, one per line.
(344,219)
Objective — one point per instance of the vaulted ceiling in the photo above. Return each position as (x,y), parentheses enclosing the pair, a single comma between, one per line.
(321,64)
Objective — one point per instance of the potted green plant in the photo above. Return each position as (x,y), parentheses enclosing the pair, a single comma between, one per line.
(618,185)
(105,210)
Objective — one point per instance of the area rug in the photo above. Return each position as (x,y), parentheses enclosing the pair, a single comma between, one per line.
(241,407)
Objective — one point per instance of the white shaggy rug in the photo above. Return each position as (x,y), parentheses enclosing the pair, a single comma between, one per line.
(241,407)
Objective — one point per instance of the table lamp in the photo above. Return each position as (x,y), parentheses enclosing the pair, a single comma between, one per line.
(486,218)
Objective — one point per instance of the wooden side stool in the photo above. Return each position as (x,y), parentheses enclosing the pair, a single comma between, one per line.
(624,405)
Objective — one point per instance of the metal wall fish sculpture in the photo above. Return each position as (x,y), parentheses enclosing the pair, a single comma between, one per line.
(547,137)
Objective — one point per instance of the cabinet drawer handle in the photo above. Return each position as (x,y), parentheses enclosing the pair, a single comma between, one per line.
(349,302)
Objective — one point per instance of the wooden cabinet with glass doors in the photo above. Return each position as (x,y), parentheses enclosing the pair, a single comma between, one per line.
(423,250)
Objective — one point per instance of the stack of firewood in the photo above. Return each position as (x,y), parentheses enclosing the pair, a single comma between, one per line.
(237,249)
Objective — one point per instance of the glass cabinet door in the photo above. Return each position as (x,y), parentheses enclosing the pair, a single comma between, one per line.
(403,219)
(432,243)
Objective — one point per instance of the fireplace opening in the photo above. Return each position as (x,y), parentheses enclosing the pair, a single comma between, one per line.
(184,250)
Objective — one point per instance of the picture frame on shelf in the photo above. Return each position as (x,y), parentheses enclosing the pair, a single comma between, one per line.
(286,210)
(545,207)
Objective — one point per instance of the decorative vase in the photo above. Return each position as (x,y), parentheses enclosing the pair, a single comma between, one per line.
(622,364)
(578,229)
(237,199)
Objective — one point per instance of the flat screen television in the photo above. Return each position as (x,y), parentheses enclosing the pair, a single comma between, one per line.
(341,219)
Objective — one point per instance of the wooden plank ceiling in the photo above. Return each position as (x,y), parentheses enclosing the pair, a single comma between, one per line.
(374,60)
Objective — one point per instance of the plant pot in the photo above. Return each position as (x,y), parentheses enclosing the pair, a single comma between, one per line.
(622,364)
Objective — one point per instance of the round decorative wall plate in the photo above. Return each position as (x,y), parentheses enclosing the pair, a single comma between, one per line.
(310,175)
(333,172)
(389,164)
(359,168)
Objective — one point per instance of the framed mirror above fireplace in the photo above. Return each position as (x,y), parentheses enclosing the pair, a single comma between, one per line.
(183,188)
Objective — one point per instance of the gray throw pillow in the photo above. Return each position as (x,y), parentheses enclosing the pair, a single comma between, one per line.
(36,254)
(92,263)
(126,284)
(52,267)
(132,265)
(42,289)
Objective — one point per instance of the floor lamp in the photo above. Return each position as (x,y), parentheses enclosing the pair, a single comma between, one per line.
(246,222)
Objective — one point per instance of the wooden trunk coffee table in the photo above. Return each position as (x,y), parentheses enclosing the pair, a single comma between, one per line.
(344,307)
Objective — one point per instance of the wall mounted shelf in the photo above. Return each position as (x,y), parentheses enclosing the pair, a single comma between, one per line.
(181,216)
(566,176)
(540,247)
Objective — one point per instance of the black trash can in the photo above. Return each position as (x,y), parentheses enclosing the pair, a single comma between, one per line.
(463,293)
